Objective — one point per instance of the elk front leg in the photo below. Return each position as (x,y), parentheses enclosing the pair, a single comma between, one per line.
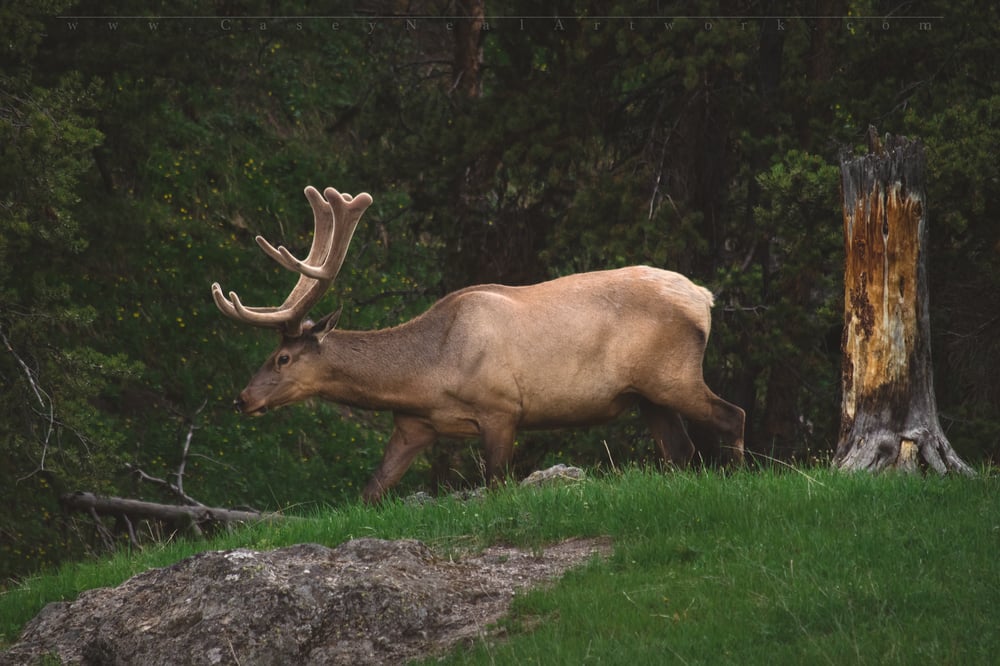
(409,438)
(498,443)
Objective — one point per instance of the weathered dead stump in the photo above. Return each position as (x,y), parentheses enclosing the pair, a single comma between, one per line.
(888,411)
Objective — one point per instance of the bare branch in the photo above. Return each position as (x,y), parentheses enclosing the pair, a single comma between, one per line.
(106,537)
(131,531)
(163,483)
(175,489)
(44,401)
(187,447)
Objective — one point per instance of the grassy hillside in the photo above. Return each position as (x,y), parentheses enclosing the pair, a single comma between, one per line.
(749,568)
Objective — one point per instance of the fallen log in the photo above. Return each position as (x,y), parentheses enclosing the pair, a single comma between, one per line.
(183,518)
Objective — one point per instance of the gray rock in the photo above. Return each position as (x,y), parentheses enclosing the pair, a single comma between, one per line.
(554,474)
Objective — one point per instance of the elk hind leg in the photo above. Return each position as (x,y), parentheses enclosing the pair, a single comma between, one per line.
(723,418)
(731,422)
(669,433)
(697,403)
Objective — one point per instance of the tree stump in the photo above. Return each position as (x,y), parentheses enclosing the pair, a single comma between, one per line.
(888,410)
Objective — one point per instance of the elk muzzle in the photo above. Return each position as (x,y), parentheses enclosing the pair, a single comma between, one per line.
(242,406)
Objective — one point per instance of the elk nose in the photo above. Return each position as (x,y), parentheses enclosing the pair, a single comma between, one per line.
(245,406)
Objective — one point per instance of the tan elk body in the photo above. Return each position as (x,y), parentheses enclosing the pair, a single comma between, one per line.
(489,360)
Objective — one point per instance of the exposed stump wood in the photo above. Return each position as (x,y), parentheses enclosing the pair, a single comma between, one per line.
(888,410)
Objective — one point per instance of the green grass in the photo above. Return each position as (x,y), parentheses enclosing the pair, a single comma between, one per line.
(707,569)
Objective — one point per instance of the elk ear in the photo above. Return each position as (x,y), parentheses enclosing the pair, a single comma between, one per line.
(327,323)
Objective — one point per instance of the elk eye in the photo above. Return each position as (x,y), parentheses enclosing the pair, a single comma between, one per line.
(284,359)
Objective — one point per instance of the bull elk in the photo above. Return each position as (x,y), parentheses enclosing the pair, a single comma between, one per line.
(488,360)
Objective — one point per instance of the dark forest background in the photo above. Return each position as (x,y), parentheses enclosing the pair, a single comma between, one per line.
(140,155)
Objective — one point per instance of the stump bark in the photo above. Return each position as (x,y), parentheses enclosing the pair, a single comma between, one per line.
(888,410)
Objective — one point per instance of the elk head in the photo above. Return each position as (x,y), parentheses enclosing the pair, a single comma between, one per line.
(284,377)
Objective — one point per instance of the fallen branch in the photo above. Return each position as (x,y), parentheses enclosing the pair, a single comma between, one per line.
(192,518)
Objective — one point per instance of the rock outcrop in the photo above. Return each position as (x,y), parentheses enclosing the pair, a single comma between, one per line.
(367,601)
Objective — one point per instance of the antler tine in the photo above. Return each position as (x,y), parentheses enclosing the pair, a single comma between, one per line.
(323,233)
(348,211)
(233,308)
(335,225)
(316,273)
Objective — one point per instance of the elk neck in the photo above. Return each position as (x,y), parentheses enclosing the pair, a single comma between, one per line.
(381,369)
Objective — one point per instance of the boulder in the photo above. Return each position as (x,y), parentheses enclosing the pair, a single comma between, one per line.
(367,601)
(556,474)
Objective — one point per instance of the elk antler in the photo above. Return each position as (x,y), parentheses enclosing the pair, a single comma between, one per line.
(335,217)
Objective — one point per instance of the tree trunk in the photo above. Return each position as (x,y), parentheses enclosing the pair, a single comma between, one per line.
(888,411)
(468,47)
